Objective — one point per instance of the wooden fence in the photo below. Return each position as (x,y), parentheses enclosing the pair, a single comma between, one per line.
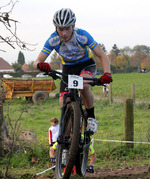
(109,94)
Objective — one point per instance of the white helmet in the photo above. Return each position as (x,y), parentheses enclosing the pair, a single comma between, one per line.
(64,17)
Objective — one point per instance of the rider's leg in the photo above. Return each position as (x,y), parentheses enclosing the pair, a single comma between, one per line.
(88,97)
(88,100)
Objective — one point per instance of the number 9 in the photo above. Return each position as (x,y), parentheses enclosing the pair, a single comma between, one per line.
(75,83)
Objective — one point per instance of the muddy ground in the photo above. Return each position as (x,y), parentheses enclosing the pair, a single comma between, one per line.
(136,172)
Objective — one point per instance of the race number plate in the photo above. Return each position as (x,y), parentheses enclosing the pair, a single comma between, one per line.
(75,82)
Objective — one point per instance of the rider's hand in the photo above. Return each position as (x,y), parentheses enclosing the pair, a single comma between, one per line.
(42,66)
(106,78)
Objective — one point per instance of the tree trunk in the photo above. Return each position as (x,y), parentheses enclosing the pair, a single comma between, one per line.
(5,139)
(1,131)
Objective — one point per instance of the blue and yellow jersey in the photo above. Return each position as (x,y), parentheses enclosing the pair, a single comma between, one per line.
(74,51)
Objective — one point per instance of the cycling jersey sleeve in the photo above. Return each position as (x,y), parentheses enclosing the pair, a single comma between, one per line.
(51,43)
(91,42)
(47,49)
(87,39)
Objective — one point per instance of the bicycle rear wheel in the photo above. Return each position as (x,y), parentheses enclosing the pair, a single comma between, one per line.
(67,151)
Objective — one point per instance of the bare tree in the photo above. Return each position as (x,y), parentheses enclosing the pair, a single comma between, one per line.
(11,27)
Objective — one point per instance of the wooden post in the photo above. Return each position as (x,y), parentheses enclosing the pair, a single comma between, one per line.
(129,122)
(133,92)
(1,131)
(110,94)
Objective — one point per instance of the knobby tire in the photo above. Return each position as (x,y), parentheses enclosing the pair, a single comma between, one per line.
(72,114)
(82,156)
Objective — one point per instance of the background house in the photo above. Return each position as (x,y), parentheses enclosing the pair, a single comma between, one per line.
(5,66)
(25,68)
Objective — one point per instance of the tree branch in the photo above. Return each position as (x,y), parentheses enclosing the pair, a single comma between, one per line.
(7,21)
(7,42)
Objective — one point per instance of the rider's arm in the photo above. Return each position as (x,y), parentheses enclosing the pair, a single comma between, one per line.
(103,57)
(41,58)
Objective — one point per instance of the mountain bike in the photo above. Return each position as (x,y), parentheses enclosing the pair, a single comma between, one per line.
(73,140)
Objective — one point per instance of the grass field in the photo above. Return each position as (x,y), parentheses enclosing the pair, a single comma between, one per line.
(110,117)
(122,86)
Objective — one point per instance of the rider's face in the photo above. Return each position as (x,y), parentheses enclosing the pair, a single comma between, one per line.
(65,32)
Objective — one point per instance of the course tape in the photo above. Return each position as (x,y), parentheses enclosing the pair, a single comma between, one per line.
(105,140)
(45,170)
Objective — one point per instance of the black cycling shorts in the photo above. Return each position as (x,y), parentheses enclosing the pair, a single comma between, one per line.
(86,67)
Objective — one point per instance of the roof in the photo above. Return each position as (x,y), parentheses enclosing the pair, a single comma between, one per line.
(5,66)
(25,67)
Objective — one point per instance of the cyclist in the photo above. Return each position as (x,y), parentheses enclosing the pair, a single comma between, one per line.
(74,45)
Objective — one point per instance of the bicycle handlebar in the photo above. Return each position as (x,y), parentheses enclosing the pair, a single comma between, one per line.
(95,81)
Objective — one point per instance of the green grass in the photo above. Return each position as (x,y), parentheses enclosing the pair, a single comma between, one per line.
(110,119)
(122,86)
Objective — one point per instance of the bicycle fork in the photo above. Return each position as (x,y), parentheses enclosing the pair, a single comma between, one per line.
(60,139)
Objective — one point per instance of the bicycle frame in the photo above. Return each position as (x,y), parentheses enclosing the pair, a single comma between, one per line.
(74,96)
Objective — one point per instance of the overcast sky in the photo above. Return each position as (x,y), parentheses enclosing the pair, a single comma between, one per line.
(121,22)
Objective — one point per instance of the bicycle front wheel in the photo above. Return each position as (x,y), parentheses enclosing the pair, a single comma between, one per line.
(82,156)
(67,151)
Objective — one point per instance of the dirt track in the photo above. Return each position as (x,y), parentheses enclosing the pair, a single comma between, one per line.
(136,172)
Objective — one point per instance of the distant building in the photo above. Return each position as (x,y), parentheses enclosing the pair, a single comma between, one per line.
(5,66)
(25,68)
